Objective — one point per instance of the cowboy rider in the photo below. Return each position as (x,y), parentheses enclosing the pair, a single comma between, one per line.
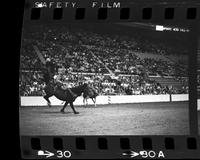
(51,67)
(59,79)
(51,78)
(48,71)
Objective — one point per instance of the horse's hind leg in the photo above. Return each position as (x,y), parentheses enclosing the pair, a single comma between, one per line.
(72,106)
(46,97)
(87,101)
(62,110)
(84,101)
(94,100)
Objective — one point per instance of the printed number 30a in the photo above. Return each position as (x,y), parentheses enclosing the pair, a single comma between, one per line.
(65,154)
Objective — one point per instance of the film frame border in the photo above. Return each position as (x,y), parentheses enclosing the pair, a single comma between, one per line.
(145,11)
(170,143)
(101,147)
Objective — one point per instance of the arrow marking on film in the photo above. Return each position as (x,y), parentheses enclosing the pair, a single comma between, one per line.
(132,154)
(47,154)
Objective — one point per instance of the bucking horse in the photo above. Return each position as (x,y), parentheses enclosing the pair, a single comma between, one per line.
(64,95)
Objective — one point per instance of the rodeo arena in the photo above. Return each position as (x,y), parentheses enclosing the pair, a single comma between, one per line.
(103,79)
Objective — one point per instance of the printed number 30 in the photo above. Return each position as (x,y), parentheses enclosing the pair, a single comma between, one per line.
(65,154)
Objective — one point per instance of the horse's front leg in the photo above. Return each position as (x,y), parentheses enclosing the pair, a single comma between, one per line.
(65,105)
(46,97)
(72,106)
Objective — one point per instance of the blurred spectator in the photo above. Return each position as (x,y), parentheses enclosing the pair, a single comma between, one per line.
(87,55)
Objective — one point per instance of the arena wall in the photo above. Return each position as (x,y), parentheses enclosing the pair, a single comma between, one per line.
(198,104)
(180,97)
(139,98)
(40,101)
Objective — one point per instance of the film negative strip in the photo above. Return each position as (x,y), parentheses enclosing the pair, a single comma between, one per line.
(109,79)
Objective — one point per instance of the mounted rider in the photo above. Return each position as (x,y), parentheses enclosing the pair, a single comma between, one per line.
(59,80)
(49,71)
(53,77)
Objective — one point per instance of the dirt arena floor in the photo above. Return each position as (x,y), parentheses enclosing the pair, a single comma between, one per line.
(113,119)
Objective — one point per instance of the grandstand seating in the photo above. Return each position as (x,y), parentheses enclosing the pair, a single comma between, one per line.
(88,51)
(168,81)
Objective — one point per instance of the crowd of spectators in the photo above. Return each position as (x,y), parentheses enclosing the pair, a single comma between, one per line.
(84,52)
(124,85)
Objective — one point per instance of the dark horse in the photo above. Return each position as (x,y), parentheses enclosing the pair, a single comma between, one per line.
(89,92)
(64,95)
